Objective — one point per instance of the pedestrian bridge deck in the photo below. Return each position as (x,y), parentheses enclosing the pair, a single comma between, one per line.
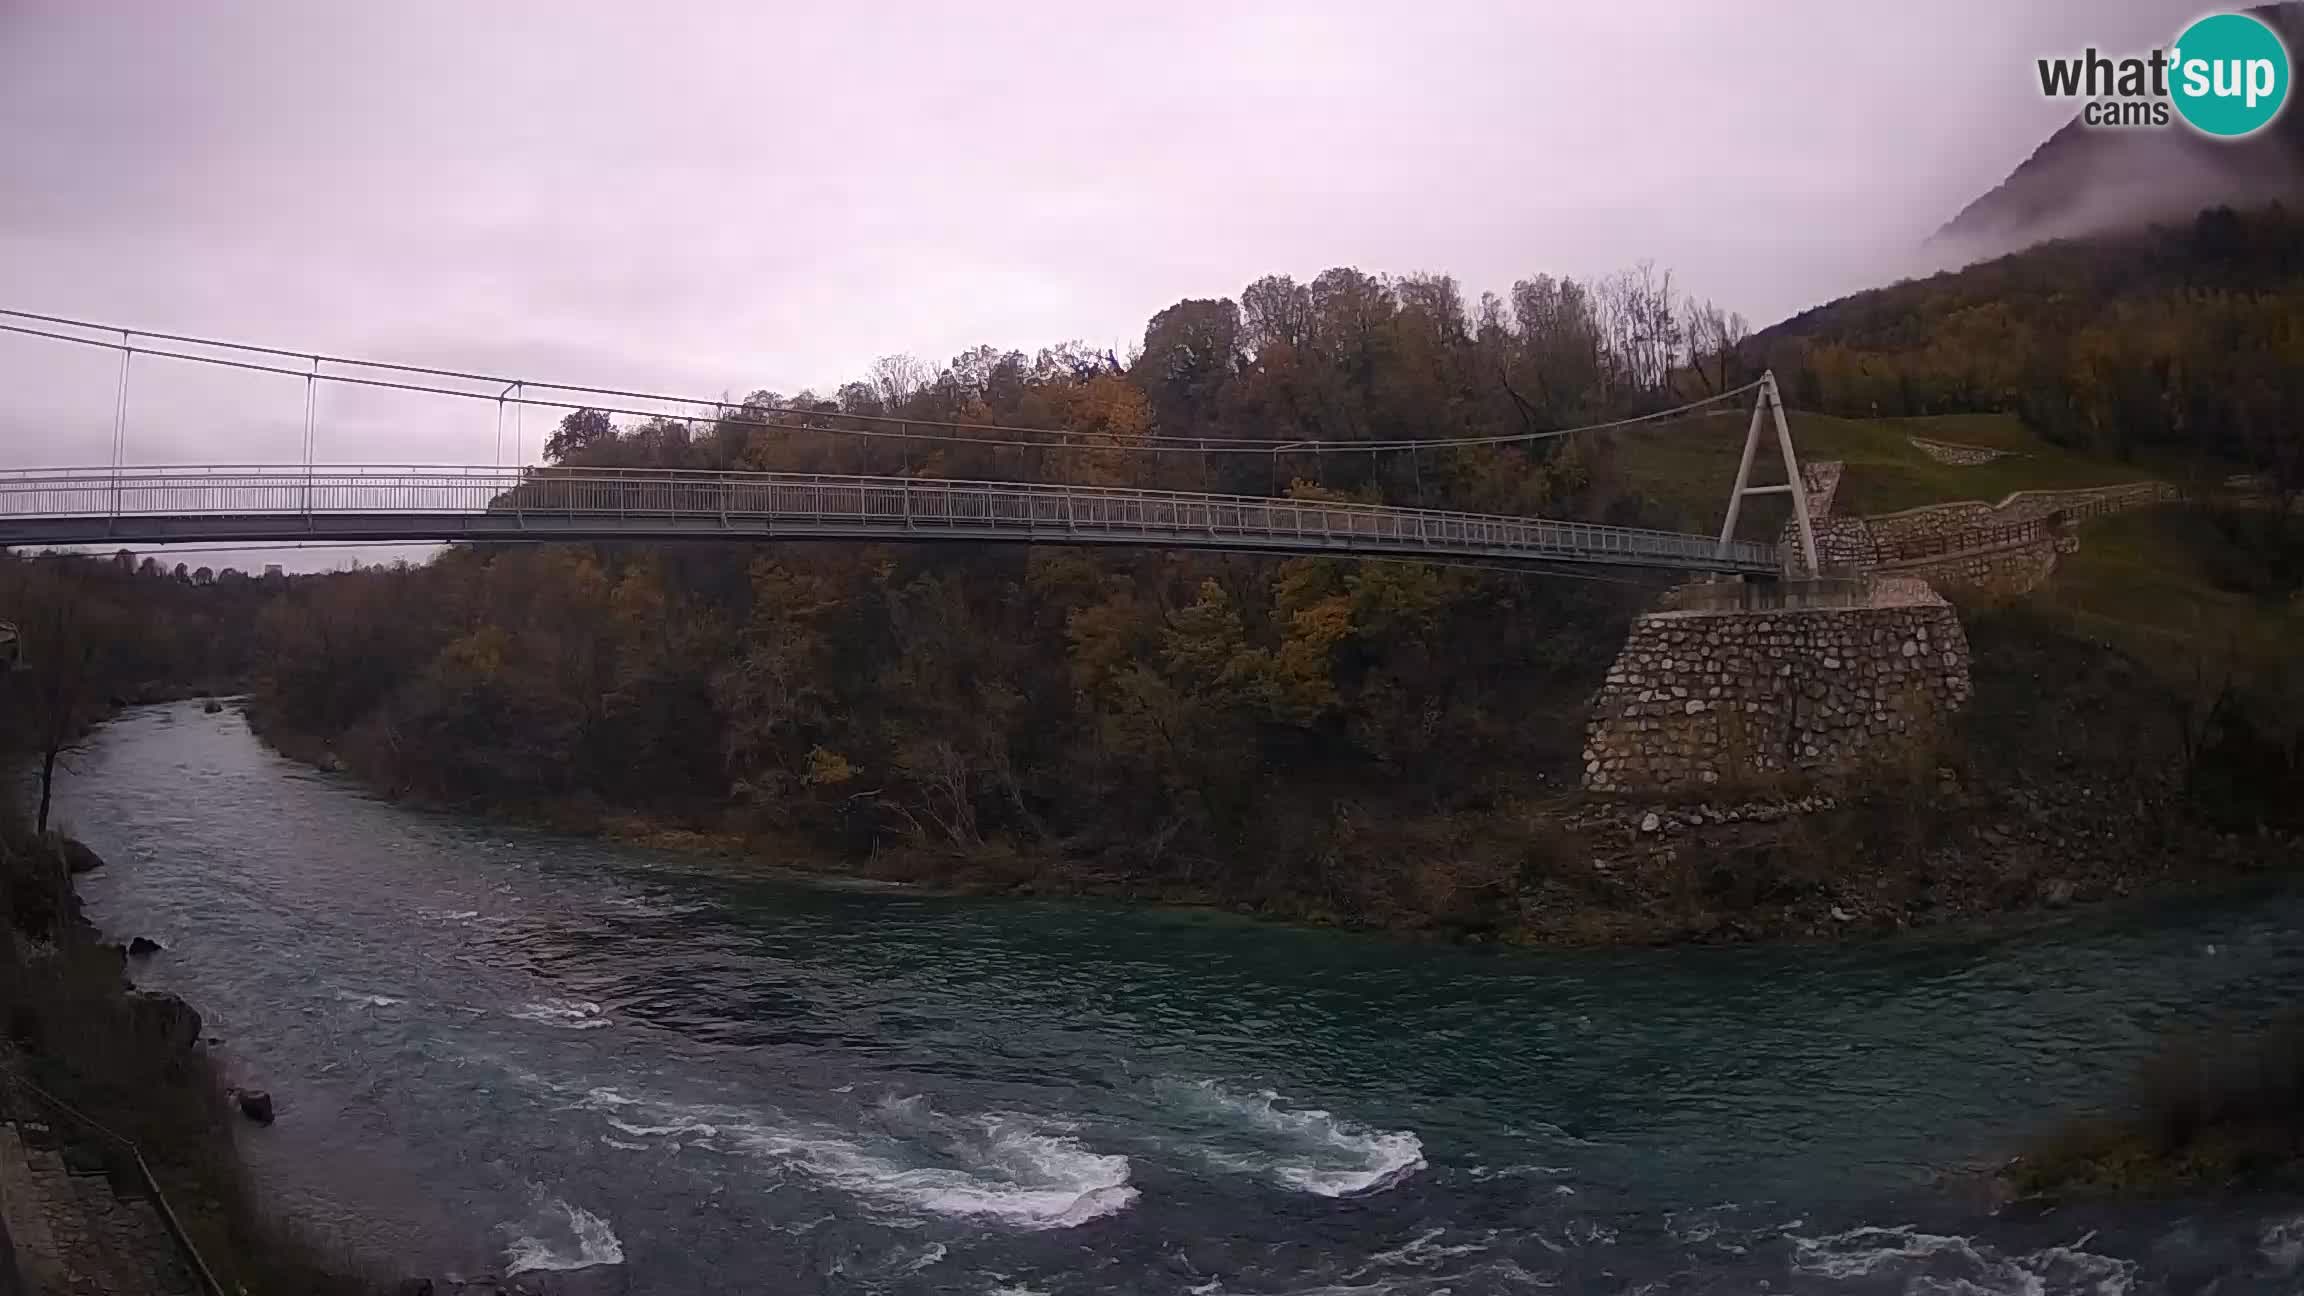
(260,503)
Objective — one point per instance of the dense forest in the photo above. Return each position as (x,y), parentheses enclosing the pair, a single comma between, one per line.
(1171,717)
(93,634)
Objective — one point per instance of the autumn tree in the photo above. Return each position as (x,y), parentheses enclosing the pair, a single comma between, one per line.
(897,379)
(1190,350)
(66,635)
(1715,336)
(579,431)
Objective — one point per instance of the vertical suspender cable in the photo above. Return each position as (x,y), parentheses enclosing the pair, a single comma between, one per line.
(311,402)
(120,422)
(498,461)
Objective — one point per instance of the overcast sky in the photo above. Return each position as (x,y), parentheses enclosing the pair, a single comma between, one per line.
(727,196)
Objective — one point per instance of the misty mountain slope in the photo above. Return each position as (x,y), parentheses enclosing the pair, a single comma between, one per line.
(2058,285)
(2083,180)
(2175,341)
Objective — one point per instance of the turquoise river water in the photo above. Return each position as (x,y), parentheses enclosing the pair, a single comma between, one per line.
(499,1050)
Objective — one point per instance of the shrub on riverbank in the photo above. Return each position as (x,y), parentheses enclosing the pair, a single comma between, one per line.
(2221,1109)
(129,1061)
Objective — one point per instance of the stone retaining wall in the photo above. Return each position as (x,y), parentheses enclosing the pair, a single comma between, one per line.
(2011,568)
(1851,544)
(1946,452)
(2023,506)
(1697,700)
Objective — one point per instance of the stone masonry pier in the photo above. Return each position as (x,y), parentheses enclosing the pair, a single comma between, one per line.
(1737,684)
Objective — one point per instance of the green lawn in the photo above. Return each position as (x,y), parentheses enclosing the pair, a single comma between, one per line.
(1684,468)
(2159,584)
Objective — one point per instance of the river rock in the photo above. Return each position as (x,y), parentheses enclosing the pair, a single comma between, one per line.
(77,857)
(596,1280)
(213,707)
(256,1105)
(142,946)
(330,763)
(174,1021)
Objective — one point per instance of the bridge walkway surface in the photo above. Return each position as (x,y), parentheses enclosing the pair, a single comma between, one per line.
(257,503)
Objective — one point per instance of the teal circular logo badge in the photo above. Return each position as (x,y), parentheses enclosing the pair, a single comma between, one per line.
(2228,75)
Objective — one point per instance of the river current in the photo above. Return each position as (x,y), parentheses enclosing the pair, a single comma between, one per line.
(496,1049)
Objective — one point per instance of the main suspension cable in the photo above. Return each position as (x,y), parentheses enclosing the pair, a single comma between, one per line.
(781,416)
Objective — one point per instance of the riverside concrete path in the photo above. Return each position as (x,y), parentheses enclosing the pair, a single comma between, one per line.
(70,1234)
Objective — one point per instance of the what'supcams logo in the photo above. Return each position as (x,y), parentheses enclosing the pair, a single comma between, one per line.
(2227,75)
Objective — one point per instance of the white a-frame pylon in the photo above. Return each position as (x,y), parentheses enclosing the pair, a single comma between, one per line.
(1793,486)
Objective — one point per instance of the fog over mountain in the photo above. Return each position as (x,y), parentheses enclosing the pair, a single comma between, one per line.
(2085,180)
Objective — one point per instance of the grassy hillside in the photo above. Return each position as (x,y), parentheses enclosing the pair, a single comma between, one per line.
(1685,468)
(2178,587)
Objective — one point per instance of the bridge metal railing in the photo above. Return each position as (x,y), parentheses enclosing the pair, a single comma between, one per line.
(639,500)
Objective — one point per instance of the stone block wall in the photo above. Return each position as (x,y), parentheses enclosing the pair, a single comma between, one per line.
(2008,569)
(1842,543)
(1822,479)
(1697,700)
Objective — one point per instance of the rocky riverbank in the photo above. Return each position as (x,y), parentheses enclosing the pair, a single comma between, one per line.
(87,1052)
(137,1062)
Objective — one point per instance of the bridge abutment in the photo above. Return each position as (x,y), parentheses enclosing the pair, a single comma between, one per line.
(1733,685)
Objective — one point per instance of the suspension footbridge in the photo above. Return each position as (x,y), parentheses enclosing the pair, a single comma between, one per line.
(264,503)
(120,503)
